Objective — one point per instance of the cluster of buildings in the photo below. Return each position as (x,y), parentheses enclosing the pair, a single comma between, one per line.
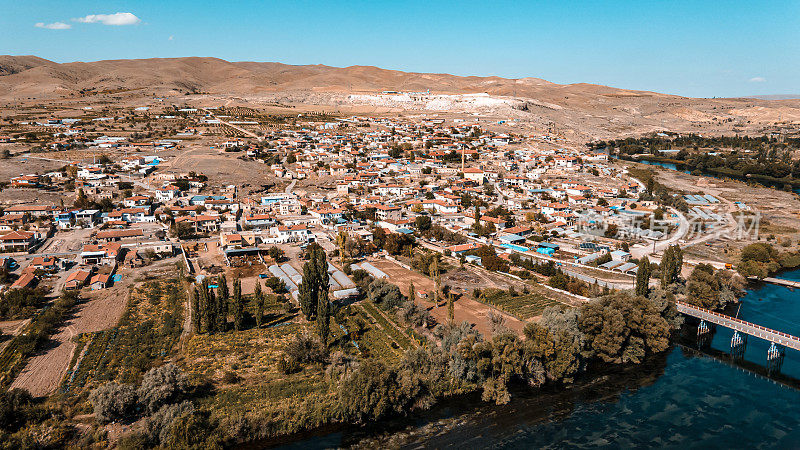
(510,190)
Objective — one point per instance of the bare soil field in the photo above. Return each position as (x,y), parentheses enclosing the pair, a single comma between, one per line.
(465,308)
(100,310)
(10,328)
(220,167)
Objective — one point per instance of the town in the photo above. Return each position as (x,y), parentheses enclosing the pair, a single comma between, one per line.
(252,243)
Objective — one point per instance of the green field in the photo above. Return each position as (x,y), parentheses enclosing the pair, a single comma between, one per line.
(523,306)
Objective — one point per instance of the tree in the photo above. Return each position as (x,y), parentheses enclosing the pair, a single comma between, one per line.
(276,253)
(423,223)
(375,390)
(195,310)
(258,296)
(161,385)
(384,294)
(113,401)
(451,315)
(671,265)
(621,328)
(315,279)
(643,277)
(411,293)
(222,303)
(238,305)
(323,321)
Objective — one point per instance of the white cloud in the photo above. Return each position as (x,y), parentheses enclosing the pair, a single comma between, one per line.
(171,38)
(116,19)
(757,80)
(54,25)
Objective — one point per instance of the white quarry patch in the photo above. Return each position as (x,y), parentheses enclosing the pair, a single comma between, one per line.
(437,102)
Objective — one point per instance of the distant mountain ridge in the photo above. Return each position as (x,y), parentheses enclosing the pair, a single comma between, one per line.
(587,111)
(39,77)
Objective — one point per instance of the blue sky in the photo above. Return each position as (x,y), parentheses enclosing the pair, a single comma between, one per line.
(693,48)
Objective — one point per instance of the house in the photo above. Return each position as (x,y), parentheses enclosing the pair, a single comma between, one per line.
(498,222)
(131,215)
(167,193)
(201,223)
(77,279)
(295,233)
(25,181)
(474,174)
(136,200)
(17,241)
(521,230)
(133,259)
(46,263)
(87,217)
(10,222)
(547,248)
(33,210)
(222,205)
(259,221)
(620,255)
(387,212)
(462,248)
(107,254)
(100,281)
(26,280)
(549,209)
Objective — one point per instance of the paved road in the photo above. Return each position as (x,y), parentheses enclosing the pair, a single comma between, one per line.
(290,187)
(34,255)
(136,182)
(680,233)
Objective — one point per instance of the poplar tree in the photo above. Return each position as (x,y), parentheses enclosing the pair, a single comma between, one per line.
(195,310)
(315,279)
(222,304)
(238,305)
(323,317)
(643,277)
(434,271)
(211,309)
(411,293)
(671,264)
(451,313)
(258,296)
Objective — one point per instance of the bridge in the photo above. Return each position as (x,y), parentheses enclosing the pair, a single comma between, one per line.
(742,326)
(782,282)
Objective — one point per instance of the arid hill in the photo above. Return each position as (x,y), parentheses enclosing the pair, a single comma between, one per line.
(588,110)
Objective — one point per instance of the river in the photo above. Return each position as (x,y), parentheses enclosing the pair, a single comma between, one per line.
(684,399)
(672,166)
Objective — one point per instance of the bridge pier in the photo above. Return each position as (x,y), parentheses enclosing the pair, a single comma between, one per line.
(705,334)
(775,355)
(738,345)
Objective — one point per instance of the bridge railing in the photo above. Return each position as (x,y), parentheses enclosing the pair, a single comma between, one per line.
(735,320)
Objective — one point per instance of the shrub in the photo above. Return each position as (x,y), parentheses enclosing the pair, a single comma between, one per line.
(304,348)
(159,425)
(14,409)
(113,401)
(384,294)
(161,385)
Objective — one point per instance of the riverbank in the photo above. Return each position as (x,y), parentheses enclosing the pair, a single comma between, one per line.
(714,172)
(683,397)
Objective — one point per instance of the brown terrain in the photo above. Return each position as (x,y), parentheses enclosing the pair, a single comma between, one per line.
(582,111)
(101,310)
